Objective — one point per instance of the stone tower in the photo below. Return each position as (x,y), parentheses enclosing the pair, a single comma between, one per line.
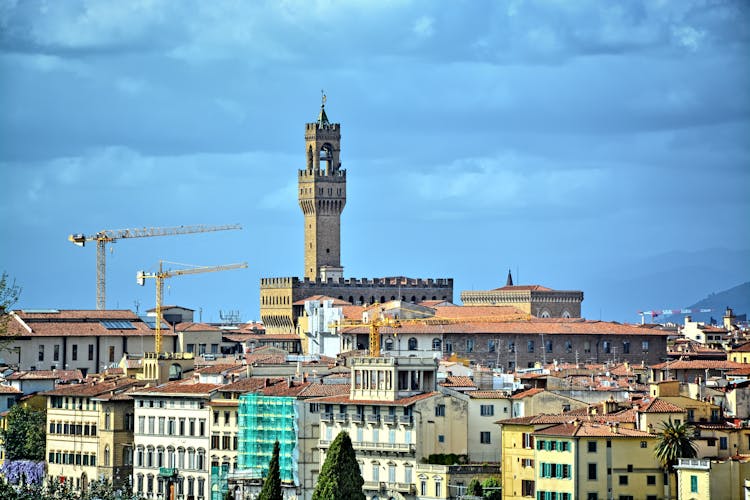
(322,196)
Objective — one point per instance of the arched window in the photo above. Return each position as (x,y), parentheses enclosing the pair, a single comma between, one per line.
(106,456)
(180,458)
(160,456)
(191,458)
(565,314)
(201,459)
(127,455)
(139,456)
(171,458)
(436,344)
(545,314)
(388,344)
(149,456)
(412,346)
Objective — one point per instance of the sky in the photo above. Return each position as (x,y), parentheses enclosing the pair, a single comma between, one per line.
(595,146)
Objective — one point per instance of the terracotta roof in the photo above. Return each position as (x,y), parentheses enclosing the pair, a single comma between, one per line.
(698,364)
(77,323)
(284,388)
(218,369)
(658,405)
(189,326)
(532,326)
(6,389)
(179,387)
(488,394)
(64,375)
(527,393)
(323,390)
(743,348)
(352,312)
(344,399)
(321,298)
(542,418)
(591,429)
(458,382)
(437,303)
(466,312)
(523,288)
(90,389)
(250,384)
(740,371)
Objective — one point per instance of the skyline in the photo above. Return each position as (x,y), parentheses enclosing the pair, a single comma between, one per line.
(593,147)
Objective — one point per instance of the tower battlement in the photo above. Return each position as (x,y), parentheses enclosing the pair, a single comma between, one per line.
(394,283)
(309,175)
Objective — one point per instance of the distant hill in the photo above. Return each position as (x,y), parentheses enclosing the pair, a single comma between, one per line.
(738,298)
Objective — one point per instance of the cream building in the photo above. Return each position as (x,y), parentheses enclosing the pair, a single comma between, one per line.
(89,431)
(172,440)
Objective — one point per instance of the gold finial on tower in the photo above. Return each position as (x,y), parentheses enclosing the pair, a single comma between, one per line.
(322,98)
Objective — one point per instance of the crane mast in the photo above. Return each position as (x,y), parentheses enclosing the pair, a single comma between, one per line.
(112,235)
(161,275)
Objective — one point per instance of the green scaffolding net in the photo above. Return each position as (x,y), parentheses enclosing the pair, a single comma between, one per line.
(263,421)
(219,483)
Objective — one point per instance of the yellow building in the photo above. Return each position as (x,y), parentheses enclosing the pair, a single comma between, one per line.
(89,428)
(699,479)
(740,354)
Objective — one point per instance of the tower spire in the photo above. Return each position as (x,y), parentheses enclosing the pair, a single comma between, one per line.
(322,117)
(509,281)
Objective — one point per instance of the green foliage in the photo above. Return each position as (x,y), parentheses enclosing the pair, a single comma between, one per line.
(474,488)
(491,488)
(96,490)
(9,293)
(272,485)
(675,442)
(24,439)
(340,477)
(447,459)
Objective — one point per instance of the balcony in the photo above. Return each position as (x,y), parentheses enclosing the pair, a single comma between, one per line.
(373,419)
(408,488)
(341,417)
(371,485)
(406,419)
(693,463)
(326,417)
(357,419)
(389,419)
(380,446)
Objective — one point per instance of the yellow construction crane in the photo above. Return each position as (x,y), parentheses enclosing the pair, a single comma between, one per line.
(385,321)
(112,235)
(161,275)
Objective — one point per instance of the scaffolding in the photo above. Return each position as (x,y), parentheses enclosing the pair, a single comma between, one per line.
(263,421)
(219,483)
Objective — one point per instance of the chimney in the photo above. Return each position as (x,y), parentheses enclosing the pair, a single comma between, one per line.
(266,382)
(616,428)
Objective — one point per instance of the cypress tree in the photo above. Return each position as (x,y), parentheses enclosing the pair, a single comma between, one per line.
(340,477)
(272,485)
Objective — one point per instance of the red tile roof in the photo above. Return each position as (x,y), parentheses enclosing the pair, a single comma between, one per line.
(195,327)
(533,326)
(590,429)
(487,394)
(322,298)
(743,348)
(77,323)
(218,369)
(91,389)
(6,389)
(323,390)
(698,364)
(524,288)
(458,382)
(658,405)
(527,393)
(467,312)
(179,387)
(63,375)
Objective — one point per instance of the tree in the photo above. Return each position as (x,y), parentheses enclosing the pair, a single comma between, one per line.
(272,485)
(24,438)
(491,488)
(340,476)
(474,488)
(9,293)
(675,442)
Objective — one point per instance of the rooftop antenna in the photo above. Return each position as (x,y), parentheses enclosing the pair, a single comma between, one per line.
(137,304)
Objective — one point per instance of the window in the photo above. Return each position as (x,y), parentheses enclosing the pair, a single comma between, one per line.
(530,346)
(111,354)
(723,445)
(91,352)
(592,496)
(644,444)
(469,345)
(625,347)
(587,346)
(592,472)
(484,437)
(693,484)
(423,487)
(141,424)
(651,480)
(376,472)
(592,446)
(56,353)
(487,410)
(74,352)
(527,488)
(438,488)
(511,347)
(623,480)
(407,474)
(441,438)
(151,424)
(449,346)
(107,419)
(644,346)
(436,345)
(41,352)
(548,345)
(528,440)
(490,346)
(568,346)
(606,347)
(440,410)
(412,344)
(711,442)
(691,415)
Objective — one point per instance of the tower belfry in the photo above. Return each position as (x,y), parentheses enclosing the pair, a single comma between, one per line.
(322,197)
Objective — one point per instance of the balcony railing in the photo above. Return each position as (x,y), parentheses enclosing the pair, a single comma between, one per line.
(341,417)
(694,463)
(403,488)
(326,417)
(357,419)
(374,419)
(389,419)
(380,446)
(406,419)
(371,485)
